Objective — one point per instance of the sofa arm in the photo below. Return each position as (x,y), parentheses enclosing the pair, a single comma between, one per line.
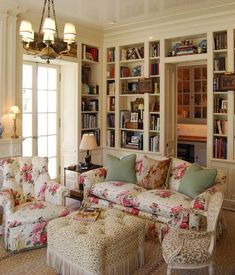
(202,200)
(89,178)
(7,201)
(55,193)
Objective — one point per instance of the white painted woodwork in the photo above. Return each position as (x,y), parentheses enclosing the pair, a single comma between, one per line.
(170,111)
(10,147)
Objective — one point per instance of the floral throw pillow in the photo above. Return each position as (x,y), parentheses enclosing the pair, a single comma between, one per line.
(154,173)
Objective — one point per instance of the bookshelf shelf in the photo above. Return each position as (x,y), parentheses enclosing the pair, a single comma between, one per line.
(132,60)
(131,78)
(90,99)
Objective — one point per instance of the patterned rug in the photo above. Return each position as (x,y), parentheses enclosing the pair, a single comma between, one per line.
(34,261)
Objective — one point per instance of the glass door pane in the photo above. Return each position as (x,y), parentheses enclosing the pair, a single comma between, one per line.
(39,101)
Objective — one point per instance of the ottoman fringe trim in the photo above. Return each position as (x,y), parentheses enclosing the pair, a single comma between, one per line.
(124,267)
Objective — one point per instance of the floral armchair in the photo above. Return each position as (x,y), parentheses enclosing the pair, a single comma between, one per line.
(29,200)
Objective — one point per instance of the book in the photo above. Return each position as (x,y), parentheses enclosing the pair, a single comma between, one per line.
(87,214)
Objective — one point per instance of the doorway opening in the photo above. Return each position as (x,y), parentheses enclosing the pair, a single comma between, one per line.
(191,106)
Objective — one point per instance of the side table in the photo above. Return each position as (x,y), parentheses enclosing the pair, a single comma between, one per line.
(77,193)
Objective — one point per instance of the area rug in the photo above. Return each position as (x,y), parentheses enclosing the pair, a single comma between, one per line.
(34,261)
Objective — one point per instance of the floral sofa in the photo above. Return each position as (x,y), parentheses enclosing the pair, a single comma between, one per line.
(161,206)
(29,200)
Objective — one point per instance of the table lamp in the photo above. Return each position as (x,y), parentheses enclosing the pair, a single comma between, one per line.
(14,110)
(88,143)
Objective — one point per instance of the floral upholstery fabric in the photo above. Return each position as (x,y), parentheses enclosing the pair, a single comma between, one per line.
(118,192)
(152,173)
(30,212)
(178,170)
(165,210)
(167,203)
(29,198)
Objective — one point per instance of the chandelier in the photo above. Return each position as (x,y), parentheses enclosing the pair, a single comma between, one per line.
(46,43)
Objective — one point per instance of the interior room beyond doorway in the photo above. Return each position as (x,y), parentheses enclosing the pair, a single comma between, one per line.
(191,101)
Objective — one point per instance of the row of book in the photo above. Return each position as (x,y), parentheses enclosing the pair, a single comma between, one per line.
(90,89)
(111,55)
(111,120)
(221,127)
(216,84)
(220,63)
(220,148)
(111,72)
(124,117)
(112,104)
(154,69)
(133,53)
(89,121)
(95,132)
(218,107)
(220,41)
(90,53)
(90,105)
(154,142)
(111,88)
(155,122)
(111,138)
(130,140)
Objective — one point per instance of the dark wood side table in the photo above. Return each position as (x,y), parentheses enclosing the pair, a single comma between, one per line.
(77,193)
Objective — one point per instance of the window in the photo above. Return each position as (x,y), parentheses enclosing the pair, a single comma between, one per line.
(40,113)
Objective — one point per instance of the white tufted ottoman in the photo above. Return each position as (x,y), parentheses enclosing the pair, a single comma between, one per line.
(113,244)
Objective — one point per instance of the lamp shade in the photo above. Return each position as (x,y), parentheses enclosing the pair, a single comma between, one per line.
(14,110)
(49,25)
(69,33)
(88,142)
(26,31)
(141,106)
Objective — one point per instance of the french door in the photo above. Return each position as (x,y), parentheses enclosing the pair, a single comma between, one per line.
(40,113)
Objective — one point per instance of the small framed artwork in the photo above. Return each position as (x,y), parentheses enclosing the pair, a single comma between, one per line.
(146,85)
(227,82)
(86,75)
(134,117)
(135,139)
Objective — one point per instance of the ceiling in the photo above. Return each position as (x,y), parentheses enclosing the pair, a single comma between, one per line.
(100,13)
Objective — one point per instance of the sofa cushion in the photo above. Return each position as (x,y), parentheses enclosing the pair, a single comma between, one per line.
(197,180)
(116,191)
(177,171)
(162,202)
(121,169)
(152,173)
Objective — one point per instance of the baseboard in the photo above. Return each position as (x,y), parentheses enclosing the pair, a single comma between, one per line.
(229,205)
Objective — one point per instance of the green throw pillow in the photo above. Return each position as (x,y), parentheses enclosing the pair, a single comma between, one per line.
(121,169)
(196,180)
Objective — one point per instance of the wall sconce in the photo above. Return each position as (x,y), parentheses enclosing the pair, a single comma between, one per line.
(14,110)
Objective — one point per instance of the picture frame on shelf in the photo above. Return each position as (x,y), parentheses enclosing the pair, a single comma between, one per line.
(134,117)
(224,106)
(227,82)
(146,85)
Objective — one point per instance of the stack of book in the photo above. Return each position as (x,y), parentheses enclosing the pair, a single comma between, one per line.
(87,214)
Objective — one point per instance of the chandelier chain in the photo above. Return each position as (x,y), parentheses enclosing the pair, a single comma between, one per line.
(49,9)
(53,9)
(43,12)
